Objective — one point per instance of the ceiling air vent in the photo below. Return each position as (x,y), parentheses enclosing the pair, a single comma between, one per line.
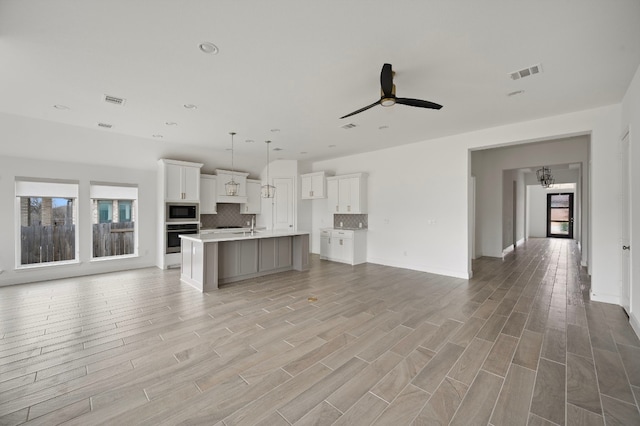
(114,100)
(348,126)
(105,125)
(526,72)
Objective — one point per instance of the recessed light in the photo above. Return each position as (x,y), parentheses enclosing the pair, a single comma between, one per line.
(170,123)
(275,130)
(303,152)
(61,107)
(383,127)
(332,146)
(190,106)
(249,141)
(158,136)
(517,92)
(208,47)
(105,125)
(277,149)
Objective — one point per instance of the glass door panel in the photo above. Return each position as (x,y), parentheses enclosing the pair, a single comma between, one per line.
(560,215)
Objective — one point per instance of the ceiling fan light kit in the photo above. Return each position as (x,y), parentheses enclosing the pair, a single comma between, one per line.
(388,95)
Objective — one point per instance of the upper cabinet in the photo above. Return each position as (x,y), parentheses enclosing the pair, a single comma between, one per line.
(181,180)
(208,194)
(224,176)
(254,199)
(313,186)
(347,193)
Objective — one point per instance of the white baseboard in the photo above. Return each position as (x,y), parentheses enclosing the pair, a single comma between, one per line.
(635,323)
(520,242)
(421,268)
(606,298)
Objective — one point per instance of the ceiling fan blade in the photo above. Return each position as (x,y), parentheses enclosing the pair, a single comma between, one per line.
(362,109)
(418,103)
(386,80)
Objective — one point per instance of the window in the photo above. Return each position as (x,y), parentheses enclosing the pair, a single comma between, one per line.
(46,212)
(124,210)
(105,208)
(114,220)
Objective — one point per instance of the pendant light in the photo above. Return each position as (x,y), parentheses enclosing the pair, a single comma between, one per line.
(232,186)
(545,177)
(268,191)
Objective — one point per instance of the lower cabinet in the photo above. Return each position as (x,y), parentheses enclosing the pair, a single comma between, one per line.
(346,246)
(275,253)
(237,258)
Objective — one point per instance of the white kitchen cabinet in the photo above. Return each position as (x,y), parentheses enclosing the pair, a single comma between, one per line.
(313,186)
(347,194)
(254,199)
(224,176)
(181,180)
(208,194)
(345,246)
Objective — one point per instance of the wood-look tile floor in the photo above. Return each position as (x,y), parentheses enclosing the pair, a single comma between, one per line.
(518,344)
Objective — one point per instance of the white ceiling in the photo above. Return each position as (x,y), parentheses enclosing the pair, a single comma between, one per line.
(299,65)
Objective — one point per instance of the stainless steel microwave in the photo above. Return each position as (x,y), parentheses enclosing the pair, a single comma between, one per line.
(182,212)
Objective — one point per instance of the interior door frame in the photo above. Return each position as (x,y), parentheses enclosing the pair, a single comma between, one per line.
(571,211)
(625,223)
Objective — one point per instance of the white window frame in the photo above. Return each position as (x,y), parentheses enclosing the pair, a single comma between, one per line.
(45,188)
(115,191)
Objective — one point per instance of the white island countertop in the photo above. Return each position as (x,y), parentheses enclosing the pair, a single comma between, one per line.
(239,235)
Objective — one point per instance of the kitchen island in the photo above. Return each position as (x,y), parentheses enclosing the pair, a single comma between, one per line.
(209,260)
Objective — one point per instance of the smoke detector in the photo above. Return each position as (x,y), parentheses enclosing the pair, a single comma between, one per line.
(114,100)
(526,72)
(348,126)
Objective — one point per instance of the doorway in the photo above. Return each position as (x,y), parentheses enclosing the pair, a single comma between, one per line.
(560,215)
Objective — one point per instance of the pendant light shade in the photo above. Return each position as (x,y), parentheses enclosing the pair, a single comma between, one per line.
(232,187)
(268,191)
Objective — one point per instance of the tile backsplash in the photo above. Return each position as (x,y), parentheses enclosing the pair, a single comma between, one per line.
(351,220)
(228,215)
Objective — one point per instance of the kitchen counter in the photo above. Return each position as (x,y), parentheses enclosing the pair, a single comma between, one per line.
(210,259)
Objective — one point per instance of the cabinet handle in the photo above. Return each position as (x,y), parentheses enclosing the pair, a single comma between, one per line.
(337,209)
(310,193)
(340,241)
(348,208)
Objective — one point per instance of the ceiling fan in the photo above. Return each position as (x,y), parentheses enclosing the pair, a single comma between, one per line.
(388,94)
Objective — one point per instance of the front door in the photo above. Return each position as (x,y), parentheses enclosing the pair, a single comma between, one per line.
(560,215)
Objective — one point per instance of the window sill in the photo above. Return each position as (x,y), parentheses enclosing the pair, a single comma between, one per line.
(107,258)
(35,266)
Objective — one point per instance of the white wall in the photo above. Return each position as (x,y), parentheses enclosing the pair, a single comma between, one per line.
(10,167)
(428,180)
(631,121)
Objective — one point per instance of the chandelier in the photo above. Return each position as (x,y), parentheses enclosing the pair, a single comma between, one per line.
(268,191)
(545,178)
(232,186)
